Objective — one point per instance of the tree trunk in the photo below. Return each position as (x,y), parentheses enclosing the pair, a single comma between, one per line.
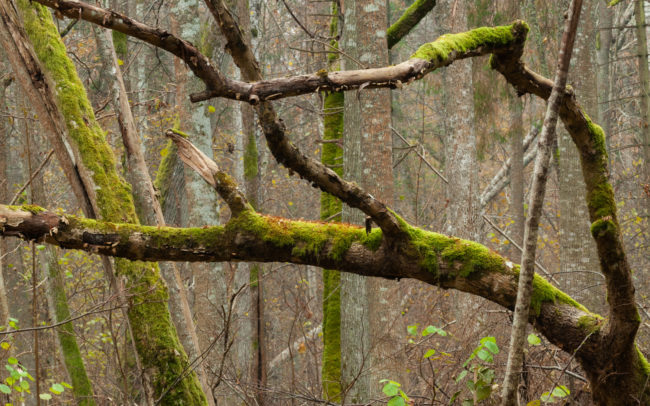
(162,356)
(367,337)
(57,301)
(4,194)
(146,203)
(644,78)
(330,209)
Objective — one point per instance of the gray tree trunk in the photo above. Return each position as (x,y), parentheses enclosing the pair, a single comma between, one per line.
(367,161)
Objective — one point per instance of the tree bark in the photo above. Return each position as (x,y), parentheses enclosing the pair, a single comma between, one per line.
(366,338)
(644,78)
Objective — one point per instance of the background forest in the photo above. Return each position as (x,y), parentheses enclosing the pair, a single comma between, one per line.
(449,153)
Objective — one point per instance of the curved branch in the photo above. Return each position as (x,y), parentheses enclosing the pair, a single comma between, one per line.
(590,140)
(442,52)
(288,154)
(185,50)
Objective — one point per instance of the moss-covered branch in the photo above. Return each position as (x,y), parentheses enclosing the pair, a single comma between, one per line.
(409,19)
(433,258)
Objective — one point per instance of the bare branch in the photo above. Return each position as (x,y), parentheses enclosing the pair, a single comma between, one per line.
(288,154)
(538,191)
(501,179)
(210,172)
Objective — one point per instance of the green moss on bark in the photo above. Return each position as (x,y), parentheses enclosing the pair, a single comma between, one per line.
(307,238)
(81,385)
(330,209)
(543,291)
(590,323)
(169,159)
(32,208)
(250,158)
(439,50)
(120,44)
(408,20)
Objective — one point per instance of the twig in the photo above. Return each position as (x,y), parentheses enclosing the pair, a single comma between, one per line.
(503,233)
(31,178)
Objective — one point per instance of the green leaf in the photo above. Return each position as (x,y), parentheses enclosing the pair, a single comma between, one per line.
(461,376)
(453,398)
(57,388)
(24,384)
(12,360)
(5,389)
(468,402)
(433,329)
(45,396)
(429,353)
(40,247)
(67,385)
(396,401)
(534,340)
(211,109)
(5,345)
(535,402)
(546,398)
(560,391)
(391,389)
(484,355)
(483,392)
(403,395)
(412,330)
(492,346)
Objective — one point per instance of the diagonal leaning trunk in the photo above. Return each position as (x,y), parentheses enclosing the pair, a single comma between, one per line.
(62,104)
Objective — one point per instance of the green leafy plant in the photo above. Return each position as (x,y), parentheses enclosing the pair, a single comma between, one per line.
(555,395)
(392,390)
(479,372)
(17,383)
